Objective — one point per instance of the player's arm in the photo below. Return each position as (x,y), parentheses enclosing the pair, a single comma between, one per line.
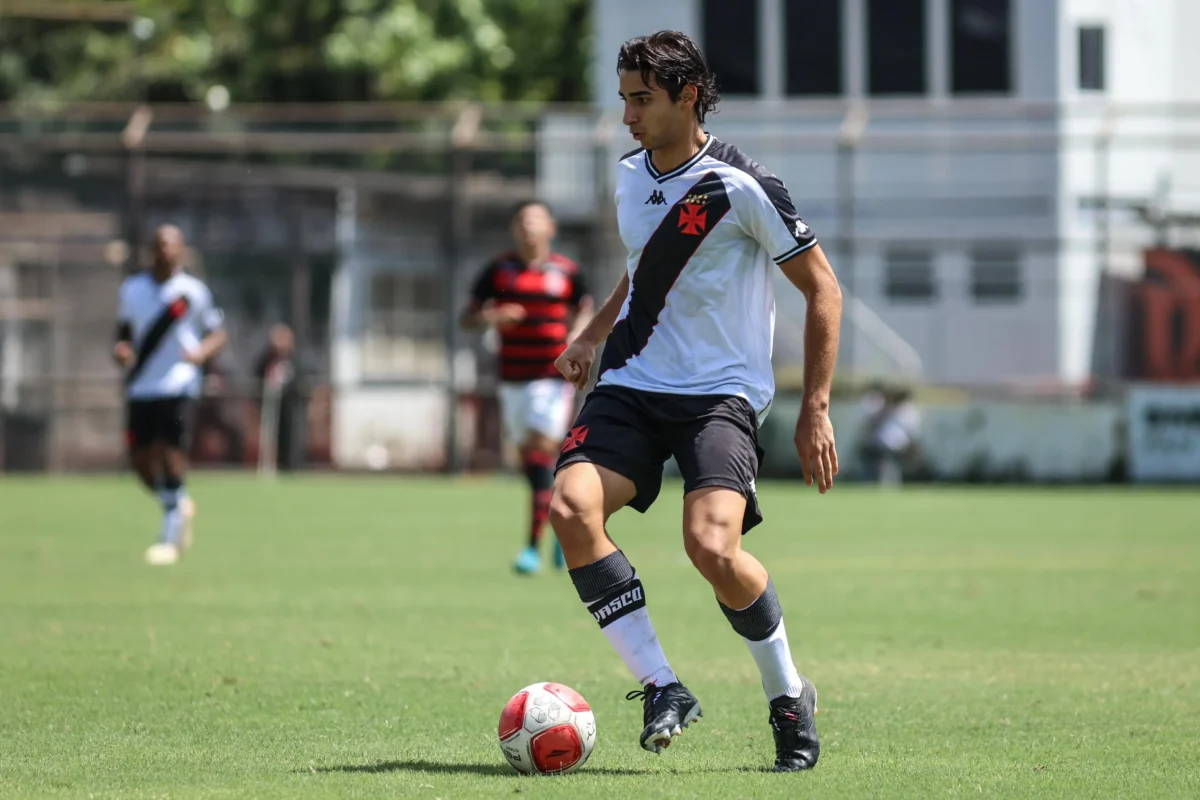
(582,306)
(122,351)
(583,312)
(212,323)
(483,310)
(810,272)
(210,345)
(575,363)
(765,211)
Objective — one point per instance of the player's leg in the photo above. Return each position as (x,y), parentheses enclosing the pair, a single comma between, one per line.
(550,411)
(537,453)
(143,457)
(538,417)
(173,422)
(611,459)
(719,463)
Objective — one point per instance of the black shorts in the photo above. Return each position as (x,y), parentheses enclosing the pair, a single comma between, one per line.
(714,439)
(166,419)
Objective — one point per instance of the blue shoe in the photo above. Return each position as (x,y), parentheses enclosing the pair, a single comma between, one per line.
(560,561)
(528,561)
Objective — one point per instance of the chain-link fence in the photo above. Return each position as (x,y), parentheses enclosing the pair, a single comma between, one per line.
(983,248)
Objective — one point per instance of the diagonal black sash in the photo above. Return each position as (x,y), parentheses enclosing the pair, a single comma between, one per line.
(153,338)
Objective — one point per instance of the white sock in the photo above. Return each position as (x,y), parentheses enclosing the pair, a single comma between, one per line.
(634,639)
(172,515)
(774,659)
(614,596)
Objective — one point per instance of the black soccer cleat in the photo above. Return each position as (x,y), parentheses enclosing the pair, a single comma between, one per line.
(666,711)
(793,722)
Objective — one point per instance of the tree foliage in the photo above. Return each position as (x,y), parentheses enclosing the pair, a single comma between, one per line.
(305,50)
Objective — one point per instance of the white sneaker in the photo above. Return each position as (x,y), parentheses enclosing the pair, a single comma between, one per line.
(187,510)
(162,555)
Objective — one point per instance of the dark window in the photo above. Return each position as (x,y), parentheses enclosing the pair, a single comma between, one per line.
(980,37)
(896,46)
(909,275)
(1091,58)
(813,38)
(996,274)
(731,44)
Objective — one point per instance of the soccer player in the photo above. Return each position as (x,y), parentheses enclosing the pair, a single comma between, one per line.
(167,329)
(686,371)
(536,299)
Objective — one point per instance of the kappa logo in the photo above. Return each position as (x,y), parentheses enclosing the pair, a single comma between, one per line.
(634,595)
(656,199)
(692,219)
(801,230)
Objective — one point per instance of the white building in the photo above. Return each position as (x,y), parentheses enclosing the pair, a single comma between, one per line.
(945,151)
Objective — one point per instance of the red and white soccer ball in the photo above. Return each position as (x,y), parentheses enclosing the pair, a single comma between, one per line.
(547,729)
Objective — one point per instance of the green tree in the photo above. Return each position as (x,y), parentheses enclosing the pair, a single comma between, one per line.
(305,50)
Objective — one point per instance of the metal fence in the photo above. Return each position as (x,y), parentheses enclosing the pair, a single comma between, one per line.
(983,247)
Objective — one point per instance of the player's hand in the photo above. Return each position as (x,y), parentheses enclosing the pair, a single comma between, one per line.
(505,315)
(575,363)
(194,357)
(814,443)
(123,353)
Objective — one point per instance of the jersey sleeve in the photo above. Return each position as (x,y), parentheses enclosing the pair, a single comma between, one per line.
(579,288)
(124,331)
(484,288)
(124,312)
(767,214)
(208,314)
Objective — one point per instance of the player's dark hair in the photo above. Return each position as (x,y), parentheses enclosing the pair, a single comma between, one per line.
(521,205)
(676,62)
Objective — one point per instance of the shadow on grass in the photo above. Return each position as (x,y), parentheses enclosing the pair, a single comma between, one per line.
(475,769)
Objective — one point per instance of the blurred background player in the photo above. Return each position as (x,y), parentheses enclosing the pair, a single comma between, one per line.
(279,373)
(537,301)
(167,328)
(890,435)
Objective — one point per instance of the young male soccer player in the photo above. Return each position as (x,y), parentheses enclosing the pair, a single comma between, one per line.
(535,298)
(686,371)
(167,328)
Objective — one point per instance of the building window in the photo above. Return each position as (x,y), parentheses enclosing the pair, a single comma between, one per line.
(908,275)
(996,274)
(1091,58)
(731,44)
(813,38)
(980,46)
(895,47)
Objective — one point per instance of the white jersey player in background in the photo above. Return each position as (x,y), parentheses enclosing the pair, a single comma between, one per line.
(686,372)
(167,329)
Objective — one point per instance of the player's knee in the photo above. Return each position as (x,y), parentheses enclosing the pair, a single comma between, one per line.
(573,511)
(711,542)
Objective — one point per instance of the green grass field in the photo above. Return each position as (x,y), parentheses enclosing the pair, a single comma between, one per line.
(355,637)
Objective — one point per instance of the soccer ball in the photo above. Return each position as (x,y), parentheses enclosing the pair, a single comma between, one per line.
(547,729)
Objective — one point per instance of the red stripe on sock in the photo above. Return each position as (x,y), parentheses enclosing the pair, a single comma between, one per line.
(541,513)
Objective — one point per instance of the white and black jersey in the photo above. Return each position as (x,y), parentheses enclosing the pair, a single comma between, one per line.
(703,241)
(165,321)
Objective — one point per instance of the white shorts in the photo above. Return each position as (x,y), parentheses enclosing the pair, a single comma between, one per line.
(545,406)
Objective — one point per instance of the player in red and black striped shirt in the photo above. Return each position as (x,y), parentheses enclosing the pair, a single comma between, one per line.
(537,300)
